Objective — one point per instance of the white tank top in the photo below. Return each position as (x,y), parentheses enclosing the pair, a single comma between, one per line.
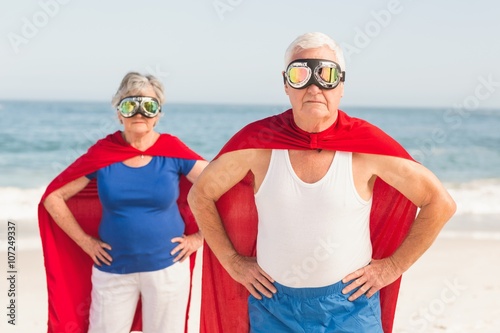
(311,235)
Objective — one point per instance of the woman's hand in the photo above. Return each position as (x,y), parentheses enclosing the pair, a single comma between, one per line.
(187,245)
(96,249)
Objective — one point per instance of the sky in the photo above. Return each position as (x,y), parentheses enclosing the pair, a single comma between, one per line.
(398,52)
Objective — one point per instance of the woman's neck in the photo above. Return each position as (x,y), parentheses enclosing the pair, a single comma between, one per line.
(140,141)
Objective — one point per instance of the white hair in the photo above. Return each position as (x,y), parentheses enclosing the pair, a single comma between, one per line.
(134,82)
(314,40)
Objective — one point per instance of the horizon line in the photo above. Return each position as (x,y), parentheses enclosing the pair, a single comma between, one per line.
(434,107)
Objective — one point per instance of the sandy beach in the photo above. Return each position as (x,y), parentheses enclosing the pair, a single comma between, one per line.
(454,287)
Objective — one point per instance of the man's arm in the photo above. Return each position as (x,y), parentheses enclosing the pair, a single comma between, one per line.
(422,188)
(217,178)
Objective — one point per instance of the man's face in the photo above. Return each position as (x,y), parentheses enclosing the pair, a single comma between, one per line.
(313,102)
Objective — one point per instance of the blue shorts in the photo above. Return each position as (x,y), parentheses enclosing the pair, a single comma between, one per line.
(323,309)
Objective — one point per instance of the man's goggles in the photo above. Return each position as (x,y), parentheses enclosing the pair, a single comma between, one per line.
(325,74)
(147,106)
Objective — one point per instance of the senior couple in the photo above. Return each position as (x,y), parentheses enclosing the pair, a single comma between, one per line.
(121,225)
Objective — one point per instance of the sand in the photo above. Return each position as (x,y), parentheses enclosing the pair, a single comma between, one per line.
(454,287)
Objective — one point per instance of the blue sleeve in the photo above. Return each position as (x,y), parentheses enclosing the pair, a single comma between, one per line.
(92,175)
(185,166)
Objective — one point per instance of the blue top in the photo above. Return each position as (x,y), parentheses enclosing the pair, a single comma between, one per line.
(140,214)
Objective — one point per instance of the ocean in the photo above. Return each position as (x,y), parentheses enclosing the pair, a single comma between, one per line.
(38,139)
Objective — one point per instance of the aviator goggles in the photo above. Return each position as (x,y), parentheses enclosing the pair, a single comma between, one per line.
(147,106)
(325,74)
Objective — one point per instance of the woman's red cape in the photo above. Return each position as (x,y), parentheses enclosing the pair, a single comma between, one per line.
(224,301)
(67,266)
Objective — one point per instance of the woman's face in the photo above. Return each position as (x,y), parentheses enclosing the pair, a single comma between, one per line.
(139,124)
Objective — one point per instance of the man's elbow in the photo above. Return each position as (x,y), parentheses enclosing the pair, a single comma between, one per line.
(197,199)
(449,206)
(192,197)
(51,200)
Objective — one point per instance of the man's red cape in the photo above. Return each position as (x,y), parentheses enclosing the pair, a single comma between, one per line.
(67,266)
(224,301)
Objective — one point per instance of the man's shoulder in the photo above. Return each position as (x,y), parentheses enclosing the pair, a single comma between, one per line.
(260,134)
(248,153)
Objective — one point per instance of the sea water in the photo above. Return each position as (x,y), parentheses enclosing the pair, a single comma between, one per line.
(38,139)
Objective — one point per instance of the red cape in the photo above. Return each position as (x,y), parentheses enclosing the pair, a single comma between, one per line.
(224,301)
(67,266)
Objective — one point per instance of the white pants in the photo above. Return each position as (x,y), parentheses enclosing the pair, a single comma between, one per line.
(164,295)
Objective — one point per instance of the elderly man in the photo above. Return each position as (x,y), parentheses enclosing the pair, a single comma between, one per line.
(312,212)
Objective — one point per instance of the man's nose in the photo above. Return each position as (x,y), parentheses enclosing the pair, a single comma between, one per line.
(313,89)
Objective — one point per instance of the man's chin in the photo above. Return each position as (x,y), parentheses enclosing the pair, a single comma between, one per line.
(318,109)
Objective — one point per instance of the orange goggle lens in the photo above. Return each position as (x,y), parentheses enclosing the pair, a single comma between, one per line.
(299,74)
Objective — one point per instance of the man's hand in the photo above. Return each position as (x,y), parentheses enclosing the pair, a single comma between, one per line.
(371,278)
(246,271)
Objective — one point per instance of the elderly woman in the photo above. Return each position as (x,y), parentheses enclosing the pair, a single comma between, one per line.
(140,249)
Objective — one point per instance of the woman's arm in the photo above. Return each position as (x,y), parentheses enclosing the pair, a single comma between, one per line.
(190,243)
(55,203)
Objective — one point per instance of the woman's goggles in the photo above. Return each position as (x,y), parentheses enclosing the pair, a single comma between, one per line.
(325,74)
(147,106)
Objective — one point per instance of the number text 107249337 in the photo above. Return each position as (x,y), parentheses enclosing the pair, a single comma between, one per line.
(11,272)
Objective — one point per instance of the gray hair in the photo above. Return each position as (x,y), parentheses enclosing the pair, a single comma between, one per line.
(313,40)
(134,82)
